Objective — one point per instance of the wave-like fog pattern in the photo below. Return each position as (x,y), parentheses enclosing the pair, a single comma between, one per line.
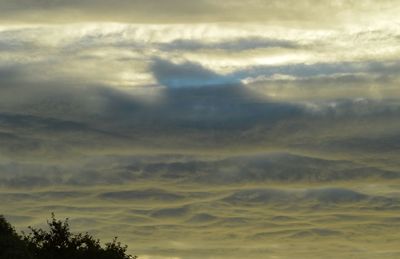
(257,206)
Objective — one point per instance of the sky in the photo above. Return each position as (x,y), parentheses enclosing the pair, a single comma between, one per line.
(205,129)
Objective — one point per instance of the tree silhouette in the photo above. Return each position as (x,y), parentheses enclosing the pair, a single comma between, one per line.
(56,243)
(11,245)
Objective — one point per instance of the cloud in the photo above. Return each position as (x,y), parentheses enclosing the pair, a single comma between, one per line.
(321,70)
(153,194)
(295,214)
(187,74)
(324,196)
(100,170)
(204,130)
(62,124)
(170,212)
(241,44)
(177,11)
(130,55)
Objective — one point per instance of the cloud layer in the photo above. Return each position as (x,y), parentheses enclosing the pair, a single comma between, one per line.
(202,129)
(305,12)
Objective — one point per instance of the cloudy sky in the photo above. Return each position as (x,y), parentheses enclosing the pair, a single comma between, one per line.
(205,129)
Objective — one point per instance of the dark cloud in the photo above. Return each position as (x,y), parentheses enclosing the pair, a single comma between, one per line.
(323,197)
(240,44)
(187,74)
(202,218)
(26,181)
(334,195)
(150,194)
(276,168)
(170,212)
(120,170)
(49,122)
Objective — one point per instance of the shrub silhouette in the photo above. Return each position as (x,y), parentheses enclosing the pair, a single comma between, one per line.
(56,243)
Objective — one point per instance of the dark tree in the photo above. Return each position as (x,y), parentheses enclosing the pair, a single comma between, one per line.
(11,245)
(56,243)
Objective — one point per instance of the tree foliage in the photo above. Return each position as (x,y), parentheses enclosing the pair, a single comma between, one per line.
(11,244)
(58,242)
